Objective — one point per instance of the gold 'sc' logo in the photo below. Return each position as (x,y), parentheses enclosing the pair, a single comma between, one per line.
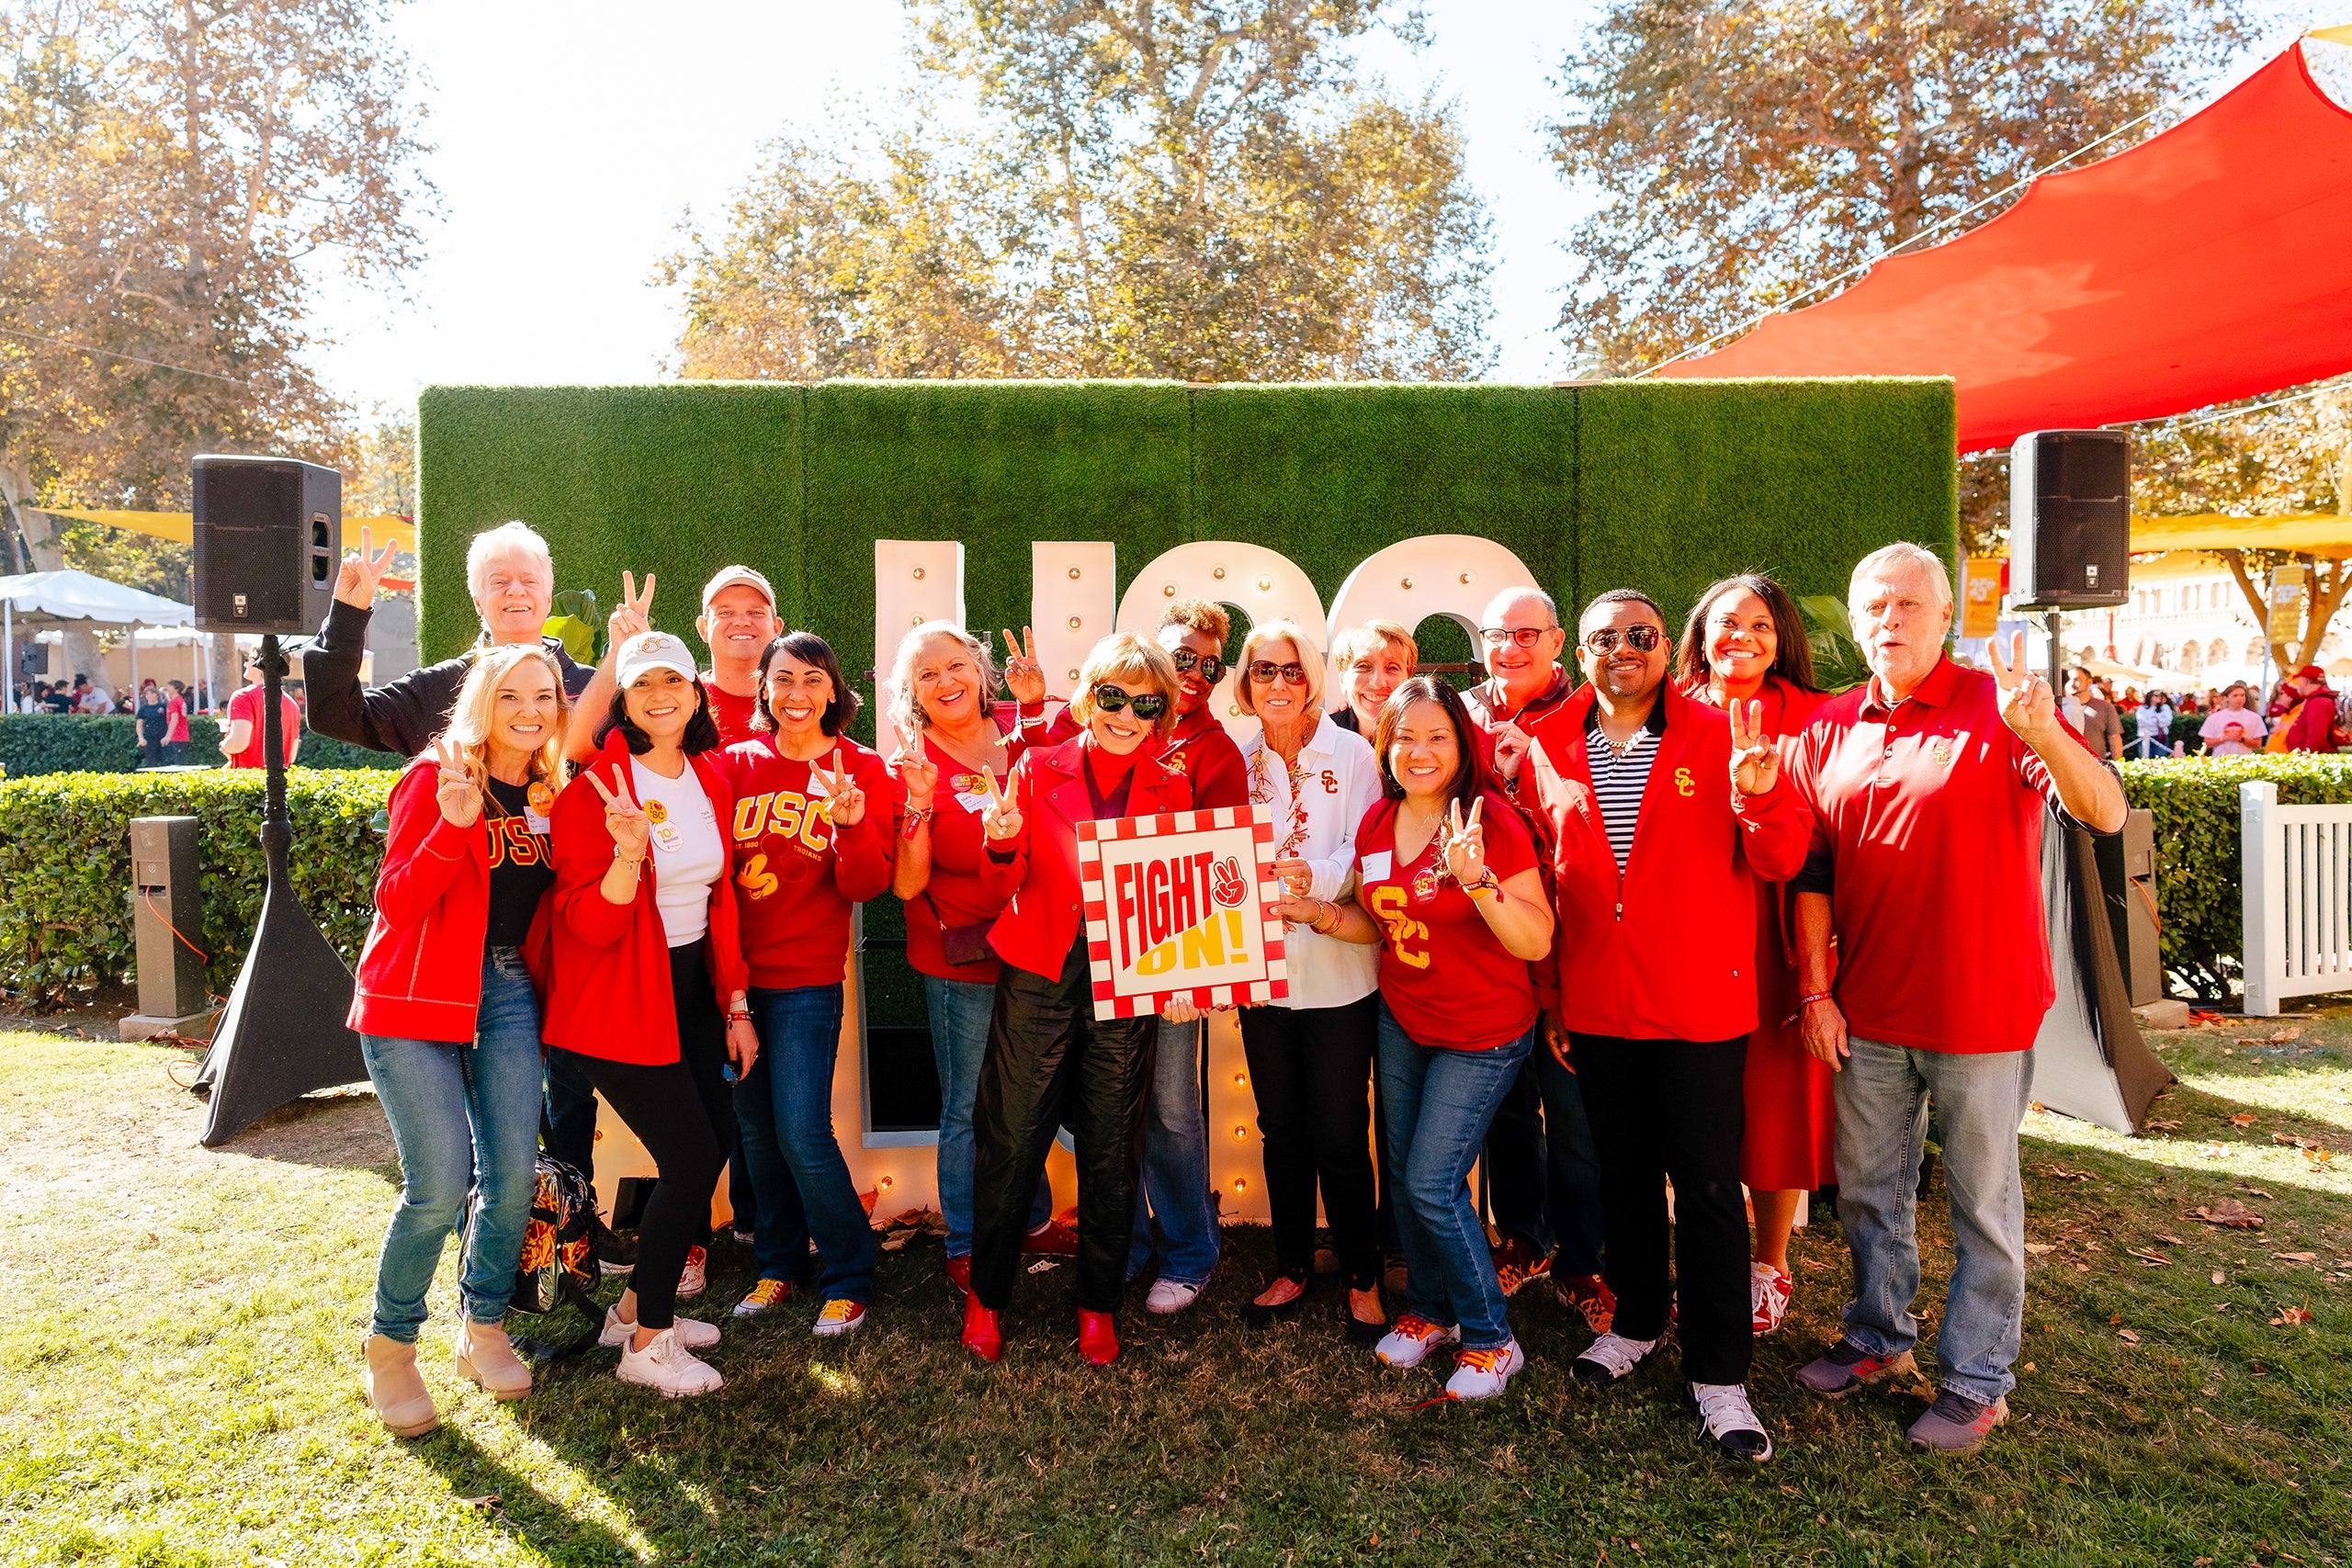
(1684,783)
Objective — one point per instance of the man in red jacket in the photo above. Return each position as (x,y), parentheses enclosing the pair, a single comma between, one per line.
(1660,814)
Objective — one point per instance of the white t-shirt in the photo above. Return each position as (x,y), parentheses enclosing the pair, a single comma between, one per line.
(689,852)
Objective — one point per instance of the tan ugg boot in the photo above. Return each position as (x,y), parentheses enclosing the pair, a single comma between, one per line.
(396,1390)
(485,1354)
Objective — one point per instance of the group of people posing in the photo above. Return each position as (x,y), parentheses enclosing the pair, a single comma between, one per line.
(1685,928)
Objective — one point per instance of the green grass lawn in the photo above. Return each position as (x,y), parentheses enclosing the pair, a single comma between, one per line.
(179,1383)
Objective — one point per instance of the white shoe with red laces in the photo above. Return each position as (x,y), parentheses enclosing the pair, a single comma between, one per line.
(1482,1375)
(839,1317)
(1769,1292)
(695,1276)
(1411,1340)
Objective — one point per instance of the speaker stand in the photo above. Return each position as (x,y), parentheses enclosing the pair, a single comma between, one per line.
(283,1034)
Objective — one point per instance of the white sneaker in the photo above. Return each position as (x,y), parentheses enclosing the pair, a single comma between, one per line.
(696,1275)
(1609,1358)
(1411,1340)
(670,1367)
(1482,1375)
(1170,1296)
(694,1336)
(1728,1421)
(1768,1291)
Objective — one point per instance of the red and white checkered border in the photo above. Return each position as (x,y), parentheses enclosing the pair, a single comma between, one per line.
(1260,820)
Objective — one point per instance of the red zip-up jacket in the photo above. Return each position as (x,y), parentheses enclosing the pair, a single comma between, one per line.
(797,876)
(419,972)
(608,989)
(1667,950)
(1039,875)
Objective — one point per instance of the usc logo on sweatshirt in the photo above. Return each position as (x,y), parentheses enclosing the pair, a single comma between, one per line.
(788,815)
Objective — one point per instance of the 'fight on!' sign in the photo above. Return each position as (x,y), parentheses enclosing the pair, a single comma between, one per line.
(1176,910)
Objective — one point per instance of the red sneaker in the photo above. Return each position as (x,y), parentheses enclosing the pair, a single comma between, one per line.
(959,1273)
(1097,1338)
(1516,1263)
(1588,1295)
(983,1335)
(1056,1237)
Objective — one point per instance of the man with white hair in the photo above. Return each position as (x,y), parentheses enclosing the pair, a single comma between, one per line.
(1928,784)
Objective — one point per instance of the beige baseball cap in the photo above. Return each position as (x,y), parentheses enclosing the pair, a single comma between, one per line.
(736,576)
(651,650)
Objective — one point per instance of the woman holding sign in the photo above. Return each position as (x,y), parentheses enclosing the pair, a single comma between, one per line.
(646,990)
(1050,1061)
(449,1022)
(1310,1054)
(1447,882)
(812,840)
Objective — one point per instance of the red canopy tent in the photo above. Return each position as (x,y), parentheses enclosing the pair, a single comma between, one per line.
(2212,262)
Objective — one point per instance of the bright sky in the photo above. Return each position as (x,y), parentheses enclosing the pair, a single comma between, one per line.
(571,138)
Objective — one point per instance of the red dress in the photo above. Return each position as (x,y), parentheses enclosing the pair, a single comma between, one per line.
(1792,1121)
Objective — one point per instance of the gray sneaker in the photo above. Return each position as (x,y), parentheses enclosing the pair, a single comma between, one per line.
(1847,1367)
(1955,1424)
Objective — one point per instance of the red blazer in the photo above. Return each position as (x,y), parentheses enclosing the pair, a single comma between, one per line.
(1041,917)
(419,974)
(1666,949)
(609,984)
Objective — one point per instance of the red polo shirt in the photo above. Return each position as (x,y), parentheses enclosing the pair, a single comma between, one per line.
(1931,811)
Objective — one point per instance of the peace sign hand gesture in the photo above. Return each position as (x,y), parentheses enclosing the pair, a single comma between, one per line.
(456,793)
(999,818)
(1755,760)
(634,613)
(845,801)
(917,773)
(1024,676)
(356,583)
(632,834)
(2027,705)
(1465,843)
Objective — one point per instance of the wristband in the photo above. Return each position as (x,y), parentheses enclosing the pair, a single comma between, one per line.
(627,860)
(1488,883)
(1805,1002)
(738,1017)
(916,819)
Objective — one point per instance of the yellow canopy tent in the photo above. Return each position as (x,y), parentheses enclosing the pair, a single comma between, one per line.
(2306,532)
(181,525)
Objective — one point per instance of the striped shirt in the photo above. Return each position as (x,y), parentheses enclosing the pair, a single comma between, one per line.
(1618,780)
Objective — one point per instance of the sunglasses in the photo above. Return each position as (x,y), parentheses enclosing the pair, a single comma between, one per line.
(1526,637)
(1211,667)
(1263,672)
(1641,639)
(1148,706)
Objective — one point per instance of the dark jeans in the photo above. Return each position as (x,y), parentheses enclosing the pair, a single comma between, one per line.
(684,1112)
(785,1106)
(1310,1067)
(1674,1108)
(1051,1064)
(1571,1168)
(153,747)
(569,1132)
(1514,1177)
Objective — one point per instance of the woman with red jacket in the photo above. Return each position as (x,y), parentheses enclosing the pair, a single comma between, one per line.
(646,992)
(1050,1061)
(810,841)
(1746,643)
(449,1022)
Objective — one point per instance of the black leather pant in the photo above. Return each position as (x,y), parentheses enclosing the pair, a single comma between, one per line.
(1051,1064)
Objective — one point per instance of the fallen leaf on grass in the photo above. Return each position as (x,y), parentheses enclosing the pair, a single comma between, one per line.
(2227,1211)
(2297,1257)
(897,1240)
(2214,1151)
(2040,1249)
(2291,1317)
(487,1500)
(2217,1277)
(2316,1157)
(2254,1193)
(2150,1256)
(2161,1126)
(2127,1337)
(2063,1174)
(2170,1240)
(2242,1119)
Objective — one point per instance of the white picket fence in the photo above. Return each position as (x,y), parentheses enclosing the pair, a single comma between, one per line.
(2298,880)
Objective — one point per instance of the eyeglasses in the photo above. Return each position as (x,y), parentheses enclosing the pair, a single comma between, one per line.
(1148,706)
(1642,639)
(1526,637)
(1211,667)
(1263,672)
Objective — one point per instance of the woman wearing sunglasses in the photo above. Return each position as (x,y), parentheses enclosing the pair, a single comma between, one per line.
(1050,1062)
(1310,1054)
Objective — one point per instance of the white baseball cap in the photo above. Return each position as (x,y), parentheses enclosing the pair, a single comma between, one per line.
(736,577)
(651,650)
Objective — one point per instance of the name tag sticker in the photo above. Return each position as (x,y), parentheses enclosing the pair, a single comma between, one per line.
(1379,867)
(535,821)
(974,804)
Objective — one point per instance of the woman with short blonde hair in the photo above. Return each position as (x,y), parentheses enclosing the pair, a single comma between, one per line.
(1374,658)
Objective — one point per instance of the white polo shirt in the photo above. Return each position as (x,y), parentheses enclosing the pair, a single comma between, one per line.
(1339,782)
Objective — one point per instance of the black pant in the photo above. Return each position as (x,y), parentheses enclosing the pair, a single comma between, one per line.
(568,1123)
(1673,1109)
(684,1112)
(1310,1067)
(1050,1063)
(1517,1172)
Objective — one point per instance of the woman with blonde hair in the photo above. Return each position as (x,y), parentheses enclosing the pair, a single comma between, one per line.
(1049,1061)
(1373,658)
(448,1020)
(1310,1054)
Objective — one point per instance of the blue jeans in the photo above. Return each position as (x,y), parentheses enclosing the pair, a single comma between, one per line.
(1572,1169)
(960,1039)
(784,1105)
(1882,1132)
(1173,1185)
(466,1121)
(1439,1105)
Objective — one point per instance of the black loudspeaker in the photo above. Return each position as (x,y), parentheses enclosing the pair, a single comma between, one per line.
(269,541)
(2070,519)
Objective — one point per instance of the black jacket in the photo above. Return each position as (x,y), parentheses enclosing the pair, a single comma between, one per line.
(405,715)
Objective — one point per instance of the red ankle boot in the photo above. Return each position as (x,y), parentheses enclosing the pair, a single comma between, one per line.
(1097,1338)
(959,1274)
(982,1334)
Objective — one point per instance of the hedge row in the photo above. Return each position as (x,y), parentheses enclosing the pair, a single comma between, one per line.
(35,744)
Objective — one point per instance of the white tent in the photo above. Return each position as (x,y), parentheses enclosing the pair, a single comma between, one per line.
(38,600)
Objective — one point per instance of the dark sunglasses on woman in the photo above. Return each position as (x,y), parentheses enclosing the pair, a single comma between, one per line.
(1148,706)
(1211,667)
(1263,672)
(1641,638)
